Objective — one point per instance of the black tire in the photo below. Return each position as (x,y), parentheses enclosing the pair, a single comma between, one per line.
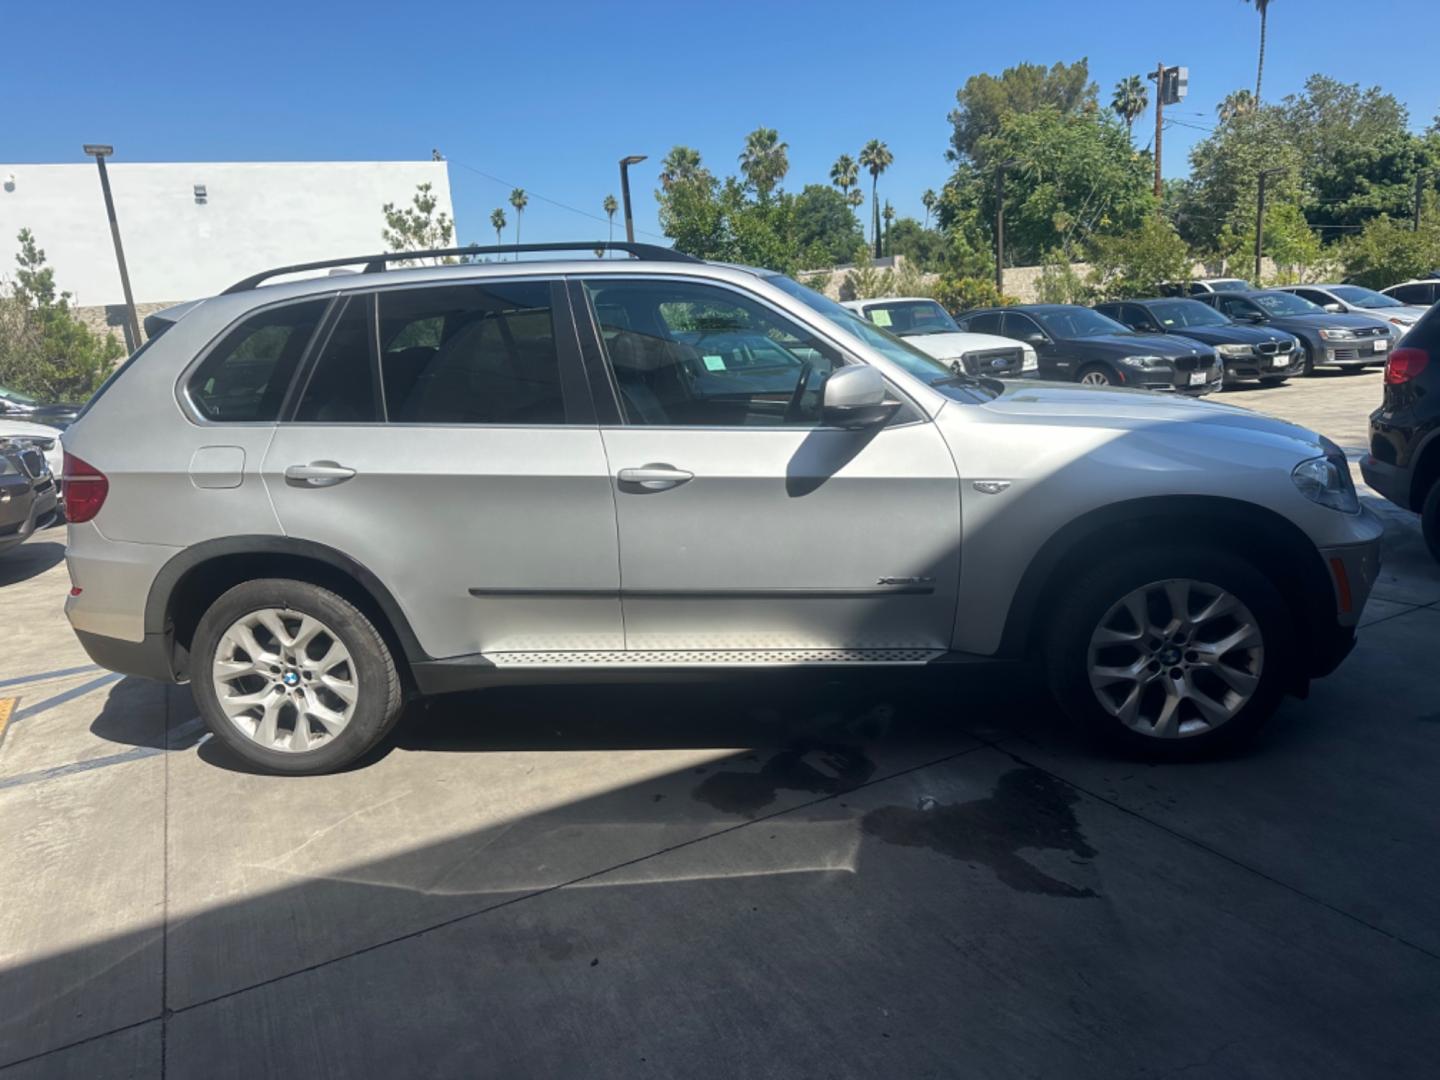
(1307,366)
(1096,369)
(379,701)
(1430,521)
(1080,611)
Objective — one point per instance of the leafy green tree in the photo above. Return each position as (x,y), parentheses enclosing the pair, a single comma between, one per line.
(983,103)
(610,206)
(826,232)
(44,349)
(1235,103)
(764,161)
(1134,263)
(1130,101)
(418,227)
(876,157)
(1074,176)
(1224,176)
(1060,282)
(925,249)
(497,222)
(1387,251)
(845,174)
(887,215)
(519,200)
(1263,8)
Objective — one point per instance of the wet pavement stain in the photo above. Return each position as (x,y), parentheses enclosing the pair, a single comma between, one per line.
(822,768)
(1028,809)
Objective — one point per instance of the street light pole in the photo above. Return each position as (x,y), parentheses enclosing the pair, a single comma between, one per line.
(1159,78)
(1265,174)
(625,164)
(132,323)
(1000,223)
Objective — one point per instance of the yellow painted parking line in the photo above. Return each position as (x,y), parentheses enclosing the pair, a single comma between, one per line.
(7,710)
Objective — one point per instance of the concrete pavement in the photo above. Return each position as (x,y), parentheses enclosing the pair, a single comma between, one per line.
(851,878)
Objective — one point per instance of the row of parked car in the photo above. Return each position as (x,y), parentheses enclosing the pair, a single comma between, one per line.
(1224,332)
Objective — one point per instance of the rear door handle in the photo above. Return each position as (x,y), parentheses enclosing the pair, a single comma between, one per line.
(656,476)
(318,474)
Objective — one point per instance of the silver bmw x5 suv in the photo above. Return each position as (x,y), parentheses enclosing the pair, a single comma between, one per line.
(316,498)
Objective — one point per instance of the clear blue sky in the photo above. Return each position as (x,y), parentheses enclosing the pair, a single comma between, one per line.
(548,96)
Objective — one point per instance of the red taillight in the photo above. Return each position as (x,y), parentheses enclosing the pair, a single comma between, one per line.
(1404,365)
(85,489)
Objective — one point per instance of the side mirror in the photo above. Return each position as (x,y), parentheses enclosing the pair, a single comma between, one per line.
(1248,317)
(854,398)
(1335,308)
(1036,338)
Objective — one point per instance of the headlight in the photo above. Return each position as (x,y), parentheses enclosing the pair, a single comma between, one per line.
(1028,361)
(1326,480)
(1234,352)
(1336,333)
(1145,361)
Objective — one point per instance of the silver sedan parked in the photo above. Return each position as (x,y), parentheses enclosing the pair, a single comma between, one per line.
(1355,300)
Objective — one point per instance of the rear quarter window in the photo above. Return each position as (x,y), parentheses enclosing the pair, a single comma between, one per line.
(245,377)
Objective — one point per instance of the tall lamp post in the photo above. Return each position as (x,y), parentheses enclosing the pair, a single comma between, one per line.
(132,325)
(625,163)
(1265,174)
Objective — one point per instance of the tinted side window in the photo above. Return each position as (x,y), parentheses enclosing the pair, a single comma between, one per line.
(245,377)
(696,355)
(343,387)
(988,323)
(470,354)
(1020,326)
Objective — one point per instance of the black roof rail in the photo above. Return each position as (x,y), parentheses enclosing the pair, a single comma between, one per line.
(375,264)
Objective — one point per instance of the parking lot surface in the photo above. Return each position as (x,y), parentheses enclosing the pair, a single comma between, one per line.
(840,878)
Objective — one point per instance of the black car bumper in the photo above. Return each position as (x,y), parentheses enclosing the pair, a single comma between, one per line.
(149,658)
(1259,366)
(1391,481)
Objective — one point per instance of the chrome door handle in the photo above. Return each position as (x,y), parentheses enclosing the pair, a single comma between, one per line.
(318,474)
(655,476)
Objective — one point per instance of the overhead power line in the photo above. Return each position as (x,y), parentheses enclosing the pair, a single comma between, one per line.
(545,198)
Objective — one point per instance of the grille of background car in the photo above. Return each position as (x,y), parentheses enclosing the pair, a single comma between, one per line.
(991,360)
(34,462)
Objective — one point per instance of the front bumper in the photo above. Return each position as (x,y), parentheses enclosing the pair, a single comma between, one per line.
(24,510)
(1260,366)
(1354,354)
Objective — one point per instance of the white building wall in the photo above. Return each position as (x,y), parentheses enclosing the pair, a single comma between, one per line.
(255,215)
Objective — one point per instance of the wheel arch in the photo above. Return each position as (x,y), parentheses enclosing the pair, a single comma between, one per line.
(1277,545)
(193,579)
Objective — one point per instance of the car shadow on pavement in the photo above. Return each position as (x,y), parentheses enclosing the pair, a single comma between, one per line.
(30,560)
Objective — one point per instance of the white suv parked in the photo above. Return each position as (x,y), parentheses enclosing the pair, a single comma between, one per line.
(315,498)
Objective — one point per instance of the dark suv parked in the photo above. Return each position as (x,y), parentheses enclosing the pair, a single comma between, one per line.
(27,493)
(1404,460)
(1248,352)
(1343,341)
(1075,343)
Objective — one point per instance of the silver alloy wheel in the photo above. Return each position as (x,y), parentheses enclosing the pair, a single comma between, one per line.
(285,680)
(1176,658)
(1095,378)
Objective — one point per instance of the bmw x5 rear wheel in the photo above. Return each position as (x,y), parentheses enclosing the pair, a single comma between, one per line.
(293,677)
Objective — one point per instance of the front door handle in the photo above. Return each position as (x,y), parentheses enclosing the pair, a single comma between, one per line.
(656,476)
(318,474)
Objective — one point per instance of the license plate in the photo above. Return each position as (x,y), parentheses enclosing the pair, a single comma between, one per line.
(1279,361)
(1197,378)
(1381,344)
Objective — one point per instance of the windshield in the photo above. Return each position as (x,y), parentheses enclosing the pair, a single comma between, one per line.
(908,318)
(1284,303)
(1184,313)
(16,396)
(1366,298)
(1229,285)
(892,348)
(1078,322)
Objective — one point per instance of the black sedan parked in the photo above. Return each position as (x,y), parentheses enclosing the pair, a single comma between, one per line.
(1343,341)
(1404,459)
(27,494)
(1248,352)
(1075,343)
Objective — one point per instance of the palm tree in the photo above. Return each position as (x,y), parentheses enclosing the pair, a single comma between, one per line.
(844,174)
(1236,103)
(928,200)
(1130,100)
(1263,7)
(764,160)
(519,200)
(855,197)
(889,215)
(876,157)
(681,163)
(497,222)
(611,206)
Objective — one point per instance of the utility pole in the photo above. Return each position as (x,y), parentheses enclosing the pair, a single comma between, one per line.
(132,319)
(1265,174)
(625,163)
(1419,194)
(1159,77)
(1000,224)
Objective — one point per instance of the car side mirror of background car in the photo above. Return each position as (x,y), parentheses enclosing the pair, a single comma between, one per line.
(1036,338)
(1336,308)
(854,398)
(1248,317)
